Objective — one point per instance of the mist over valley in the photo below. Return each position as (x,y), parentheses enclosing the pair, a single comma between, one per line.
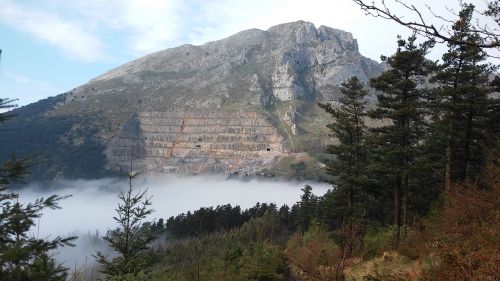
(92,203)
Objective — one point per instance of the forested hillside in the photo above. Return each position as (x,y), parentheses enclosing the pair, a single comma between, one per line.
(416,197)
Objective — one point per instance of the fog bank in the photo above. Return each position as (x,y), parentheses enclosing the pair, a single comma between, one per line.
(93,202)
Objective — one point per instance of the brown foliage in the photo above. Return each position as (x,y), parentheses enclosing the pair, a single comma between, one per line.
(462,242)
(314,256)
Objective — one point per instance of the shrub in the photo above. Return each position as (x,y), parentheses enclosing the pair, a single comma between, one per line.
(315,255)
(377,241)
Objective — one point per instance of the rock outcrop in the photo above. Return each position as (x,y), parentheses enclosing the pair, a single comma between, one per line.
(289,61)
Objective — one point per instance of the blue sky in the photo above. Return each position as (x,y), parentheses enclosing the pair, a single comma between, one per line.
(52,46)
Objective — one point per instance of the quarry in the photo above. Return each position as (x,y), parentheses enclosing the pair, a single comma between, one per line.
(196,141)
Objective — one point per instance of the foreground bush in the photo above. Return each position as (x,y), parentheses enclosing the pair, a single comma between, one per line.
(462,241)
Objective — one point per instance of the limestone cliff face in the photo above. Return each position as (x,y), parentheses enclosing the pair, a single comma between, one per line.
(235,98)
(289,61)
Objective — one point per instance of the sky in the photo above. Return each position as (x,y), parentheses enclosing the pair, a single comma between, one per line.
(52,46)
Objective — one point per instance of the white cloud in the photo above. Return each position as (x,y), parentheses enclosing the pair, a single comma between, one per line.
(138,27)
(69,36)
(153,25)
(148,26)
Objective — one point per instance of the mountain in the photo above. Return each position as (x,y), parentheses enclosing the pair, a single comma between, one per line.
(245,104)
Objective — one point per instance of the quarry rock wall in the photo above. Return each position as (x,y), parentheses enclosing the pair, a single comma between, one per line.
(195,141)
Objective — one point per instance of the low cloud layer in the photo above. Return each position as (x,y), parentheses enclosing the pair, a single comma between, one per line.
(92,204)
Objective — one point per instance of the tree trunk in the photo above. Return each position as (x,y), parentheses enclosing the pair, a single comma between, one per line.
(450,134)
(406,166)
(468,136)
(397,212)
(447,172)
(350,223)
(405,207)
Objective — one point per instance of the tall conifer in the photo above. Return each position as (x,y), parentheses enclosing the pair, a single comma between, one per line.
(400,106)
(347,166)
(464,111)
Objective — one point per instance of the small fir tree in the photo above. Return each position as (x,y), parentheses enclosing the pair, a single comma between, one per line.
(130,239)
(306,209)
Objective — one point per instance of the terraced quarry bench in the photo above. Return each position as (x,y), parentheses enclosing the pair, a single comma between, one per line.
(196,141)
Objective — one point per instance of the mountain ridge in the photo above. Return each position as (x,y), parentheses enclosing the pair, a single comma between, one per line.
(323,32)
(276,76)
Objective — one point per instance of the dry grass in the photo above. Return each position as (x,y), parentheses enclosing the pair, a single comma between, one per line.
(389,266)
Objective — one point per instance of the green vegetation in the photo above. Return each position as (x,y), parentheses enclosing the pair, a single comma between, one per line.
(348,168)
(412,201)
(130,239)
(58,140)
(22,255)
(250,252)
(296,166)
(209,220)
(394,148)
(416,198)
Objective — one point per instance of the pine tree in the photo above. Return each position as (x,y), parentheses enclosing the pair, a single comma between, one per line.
(306,208)
(23,256)
(464,111)
(131,240)
(347,166)
(400,105)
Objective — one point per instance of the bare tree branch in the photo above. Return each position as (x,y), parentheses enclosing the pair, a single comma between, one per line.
(491,36)
(439,16)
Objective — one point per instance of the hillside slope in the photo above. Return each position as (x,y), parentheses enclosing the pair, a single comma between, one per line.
(237,105)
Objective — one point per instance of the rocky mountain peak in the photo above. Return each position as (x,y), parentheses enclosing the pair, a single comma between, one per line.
(230,105)
(294,35)
(303,32)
